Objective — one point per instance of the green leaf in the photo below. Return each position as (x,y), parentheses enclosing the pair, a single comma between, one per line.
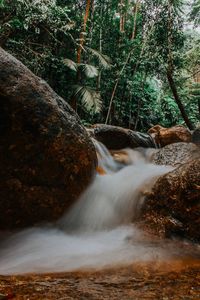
(70,64)
(1,3)
(89,97)
(103,59)
(89,70)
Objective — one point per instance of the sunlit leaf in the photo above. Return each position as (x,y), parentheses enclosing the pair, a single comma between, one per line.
(70,64)
(89,97)
(103,59)
(89,70)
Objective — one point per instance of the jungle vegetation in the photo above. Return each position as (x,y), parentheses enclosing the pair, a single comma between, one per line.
(132,63)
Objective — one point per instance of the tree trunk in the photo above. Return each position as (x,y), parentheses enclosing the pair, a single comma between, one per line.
(115,87)
(122,17)
(92,23)
(139,106)
(178,100)
(100,47)
(73,101)
(170,69)
(83,31)
(133,71)
(135,20)
(199,106)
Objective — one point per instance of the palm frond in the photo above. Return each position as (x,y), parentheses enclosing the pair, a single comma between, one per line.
(70,64)
(89,97)
(103,59)
(89,70)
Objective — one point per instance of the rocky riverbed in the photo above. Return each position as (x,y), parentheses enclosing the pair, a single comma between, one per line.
(176,279)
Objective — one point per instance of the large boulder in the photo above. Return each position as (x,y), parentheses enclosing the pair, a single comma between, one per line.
(115,138)
(47,158)
(165,136)
(175,154)
(173,206)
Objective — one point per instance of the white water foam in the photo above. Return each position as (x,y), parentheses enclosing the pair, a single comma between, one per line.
(113,199)
(95,233)
(52,250)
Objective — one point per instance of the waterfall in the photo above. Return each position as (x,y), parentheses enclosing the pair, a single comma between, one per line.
(98,230)
(115,198)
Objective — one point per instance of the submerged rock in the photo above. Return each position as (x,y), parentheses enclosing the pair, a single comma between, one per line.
(175,154)
(173,207)
(46,156)
(165,136)
(115,138)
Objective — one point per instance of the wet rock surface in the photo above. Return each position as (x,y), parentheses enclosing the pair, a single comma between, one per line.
(165,136)
(173,207)
(154,281)
(176,154)
(196,136)
(116,138)
(46,156)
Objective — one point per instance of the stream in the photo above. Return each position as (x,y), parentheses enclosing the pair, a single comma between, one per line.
(99,229)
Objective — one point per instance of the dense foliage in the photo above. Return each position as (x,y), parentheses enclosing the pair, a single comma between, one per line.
(124,62)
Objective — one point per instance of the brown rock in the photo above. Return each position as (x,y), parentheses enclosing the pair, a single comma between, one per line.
(115,138)
(176,154)
(46,156)
(121,156)
(165,136)
(173,207)
(196,136)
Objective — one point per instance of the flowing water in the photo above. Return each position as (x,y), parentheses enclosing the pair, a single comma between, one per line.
(98,230)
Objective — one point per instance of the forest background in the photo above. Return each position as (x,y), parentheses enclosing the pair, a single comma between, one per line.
(129,63)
